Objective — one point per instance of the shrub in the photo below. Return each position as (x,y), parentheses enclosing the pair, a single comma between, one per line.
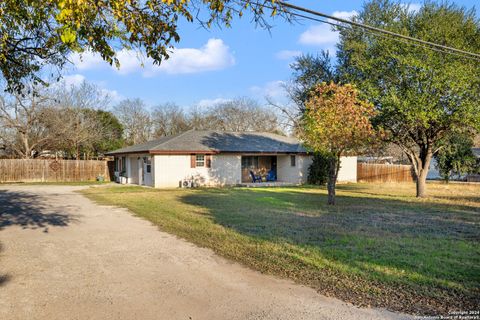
(318,170)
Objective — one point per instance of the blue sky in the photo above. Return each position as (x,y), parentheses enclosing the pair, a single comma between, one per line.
(219,64)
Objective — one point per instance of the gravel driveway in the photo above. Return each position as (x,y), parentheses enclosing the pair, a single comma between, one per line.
(64,257)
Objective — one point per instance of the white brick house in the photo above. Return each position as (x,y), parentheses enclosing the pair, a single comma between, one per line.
(215,158)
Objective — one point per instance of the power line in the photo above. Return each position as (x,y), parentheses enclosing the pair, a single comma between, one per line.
(376,34)
(386,37)
(377,30)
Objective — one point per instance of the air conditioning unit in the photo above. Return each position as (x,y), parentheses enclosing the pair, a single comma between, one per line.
(186,183)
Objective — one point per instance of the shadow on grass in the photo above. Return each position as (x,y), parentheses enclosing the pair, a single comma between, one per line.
(423,245)
(474,199)
(29,211)
(279,213)
(457,193)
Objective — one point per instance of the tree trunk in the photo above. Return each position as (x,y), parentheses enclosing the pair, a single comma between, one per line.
(26,147)
(331,191)
(421,164)
(422,184)
(423,167)
(333,168)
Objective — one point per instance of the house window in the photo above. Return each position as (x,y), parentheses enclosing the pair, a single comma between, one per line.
(148,164)
(200,160)
(293,161)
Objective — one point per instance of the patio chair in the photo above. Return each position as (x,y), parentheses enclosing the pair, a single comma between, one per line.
(255,178)
(271,175)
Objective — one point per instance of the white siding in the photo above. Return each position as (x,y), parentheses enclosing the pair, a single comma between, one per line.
(348,169)
(296,174)
(226,170)
(171,169)
(299,173)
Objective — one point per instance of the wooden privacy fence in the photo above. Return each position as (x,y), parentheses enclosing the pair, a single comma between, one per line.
(473,178)
(373,172)
(49,170)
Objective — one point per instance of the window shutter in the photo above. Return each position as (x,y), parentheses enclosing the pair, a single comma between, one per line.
(193,160)
(208,161)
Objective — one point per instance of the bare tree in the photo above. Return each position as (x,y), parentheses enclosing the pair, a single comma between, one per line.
(21,118)
(135,119)
(83,96)
(169,119)
(73,130)
(73,122)
(200,118)
(241,114)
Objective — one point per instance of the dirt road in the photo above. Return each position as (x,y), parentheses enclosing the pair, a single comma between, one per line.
(64,257)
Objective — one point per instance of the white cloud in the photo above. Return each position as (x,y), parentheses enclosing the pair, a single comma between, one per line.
(73,80)
(272,89)
(211,102)
(130,62)
(322,34)
(87,60)
(347,15)
(113,95)
(287,54)
(318,35)
(214,55)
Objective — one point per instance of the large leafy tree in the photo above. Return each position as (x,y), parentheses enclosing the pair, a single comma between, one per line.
(309,70)
(336,123)
(421,95)
(111,133)
(35,33)
(456,157)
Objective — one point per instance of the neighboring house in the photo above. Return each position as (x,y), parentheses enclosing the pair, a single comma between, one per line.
(215,158)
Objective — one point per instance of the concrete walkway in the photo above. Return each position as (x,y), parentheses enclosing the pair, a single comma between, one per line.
(64,257)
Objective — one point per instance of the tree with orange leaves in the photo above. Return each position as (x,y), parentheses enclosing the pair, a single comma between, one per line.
(337,123)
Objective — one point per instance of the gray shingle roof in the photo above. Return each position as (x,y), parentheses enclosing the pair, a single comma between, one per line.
(218,141)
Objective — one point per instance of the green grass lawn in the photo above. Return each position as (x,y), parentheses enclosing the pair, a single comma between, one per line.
(379,246)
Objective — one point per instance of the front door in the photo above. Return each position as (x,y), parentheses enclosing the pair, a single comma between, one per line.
(147,171)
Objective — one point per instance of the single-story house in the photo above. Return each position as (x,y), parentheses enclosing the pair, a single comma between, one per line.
(216,158)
